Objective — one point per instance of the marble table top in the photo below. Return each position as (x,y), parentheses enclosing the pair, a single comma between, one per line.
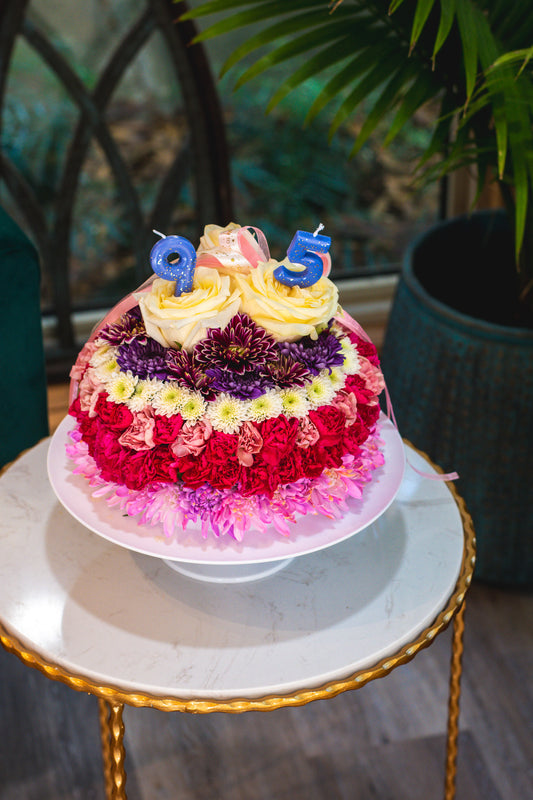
(124,619)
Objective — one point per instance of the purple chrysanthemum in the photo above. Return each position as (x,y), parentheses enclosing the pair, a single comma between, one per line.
(242,346)
(245,387)
(325,352)
(183,367)
(144,359)
(286,373)
(130,326)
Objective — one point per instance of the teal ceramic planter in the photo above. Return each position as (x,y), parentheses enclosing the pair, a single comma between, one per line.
(462,388)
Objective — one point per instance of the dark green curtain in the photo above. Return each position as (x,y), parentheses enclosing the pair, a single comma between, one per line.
(23,407)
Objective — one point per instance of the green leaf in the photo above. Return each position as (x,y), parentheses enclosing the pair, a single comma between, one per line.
(296,46)
(213,7)
(279,31)
(220,6)
(323,60)
(521,185)
(383,104)
(347,75)
(422,90)
(394,5)
(522,57)
(374,78)
(447,16)
(265,10)
(467,22)
(441,133)
(423,9)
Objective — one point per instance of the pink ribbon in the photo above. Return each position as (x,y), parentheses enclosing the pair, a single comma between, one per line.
(356,328)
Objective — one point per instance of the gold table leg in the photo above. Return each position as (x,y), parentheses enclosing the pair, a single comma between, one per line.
(113,753)
(453,703)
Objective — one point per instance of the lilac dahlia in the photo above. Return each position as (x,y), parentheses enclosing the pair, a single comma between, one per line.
(144,359)
(244,387)
(325,352)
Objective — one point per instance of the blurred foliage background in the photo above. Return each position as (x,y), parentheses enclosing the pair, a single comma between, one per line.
(284,175)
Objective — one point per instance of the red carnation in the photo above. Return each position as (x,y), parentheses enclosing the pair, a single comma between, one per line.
(217,464)
(167,428)
(313,461)
(369,415)
(225,475)
(330,423)
(194,470)
(116,416)
(354,436)
(357,385)
(221,447)
(75,409)
(365,348)
(290,468)
(259,479)
(139,470)
(279,438)
(163,464)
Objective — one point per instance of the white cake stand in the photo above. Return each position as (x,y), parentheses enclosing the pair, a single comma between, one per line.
(223,559)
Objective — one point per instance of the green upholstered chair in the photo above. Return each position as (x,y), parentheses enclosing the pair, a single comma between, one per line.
(23,405)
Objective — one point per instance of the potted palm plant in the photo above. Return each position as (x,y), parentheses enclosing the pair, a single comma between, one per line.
(459,344)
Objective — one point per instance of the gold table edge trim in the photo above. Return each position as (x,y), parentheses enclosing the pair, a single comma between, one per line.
(271,702)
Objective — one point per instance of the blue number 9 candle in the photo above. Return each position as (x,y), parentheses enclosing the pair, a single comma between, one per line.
(174,258)
(304,249)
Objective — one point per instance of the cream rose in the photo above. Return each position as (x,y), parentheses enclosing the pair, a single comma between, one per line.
(288,313)
(184,320)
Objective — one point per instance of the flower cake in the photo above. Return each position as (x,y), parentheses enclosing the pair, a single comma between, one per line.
(231,391)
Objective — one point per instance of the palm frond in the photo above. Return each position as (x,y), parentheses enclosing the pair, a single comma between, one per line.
(475,54)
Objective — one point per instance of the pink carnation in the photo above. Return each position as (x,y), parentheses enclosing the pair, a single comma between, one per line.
(347,403)
(140,434)
(84,356)
(89,392)
(250,442)
(372,376)
(307,434)
(192,438)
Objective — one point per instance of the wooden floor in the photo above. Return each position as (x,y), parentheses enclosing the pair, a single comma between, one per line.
(383,742)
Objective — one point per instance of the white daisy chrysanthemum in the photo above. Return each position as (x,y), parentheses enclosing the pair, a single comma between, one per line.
(266,406)
(337,377)
(144,393)
(320,392)
(294,402)
(351,363)
(106,371)
(227,413)
(170,399)
(193,408)
(106,352)
(121,387)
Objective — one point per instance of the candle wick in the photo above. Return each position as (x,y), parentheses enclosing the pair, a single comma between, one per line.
(162,235)
(320,228)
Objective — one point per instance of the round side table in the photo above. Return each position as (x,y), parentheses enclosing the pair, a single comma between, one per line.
(130,630)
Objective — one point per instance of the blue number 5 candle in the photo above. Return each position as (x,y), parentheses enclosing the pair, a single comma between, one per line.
(304,249)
